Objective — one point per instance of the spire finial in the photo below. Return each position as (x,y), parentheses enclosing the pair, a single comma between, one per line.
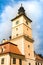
(21,4)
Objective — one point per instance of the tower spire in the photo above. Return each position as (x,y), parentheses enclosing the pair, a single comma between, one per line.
(21,10)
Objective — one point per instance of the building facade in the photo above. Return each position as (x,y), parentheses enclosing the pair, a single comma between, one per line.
(19,49)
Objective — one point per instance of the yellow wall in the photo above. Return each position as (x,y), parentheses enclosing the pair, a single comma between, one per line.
(19,31)
(39,61)
(27,31)
(6,59)
(22,27)
(21,20)
(20,42)
(31,61)
(17,59)
(22,30)
(29,52)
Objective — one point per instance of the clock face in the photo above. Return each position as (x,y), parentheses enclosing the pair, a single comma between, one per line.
(17,22)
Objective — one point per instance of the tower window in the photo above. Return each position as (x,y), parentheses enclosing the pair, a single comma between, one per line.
(2,61)
(16,34)
(20,61)
(29,54)
(27,28)
(16,28)
(17,22)
(14,60)
(28,45)
(27,22)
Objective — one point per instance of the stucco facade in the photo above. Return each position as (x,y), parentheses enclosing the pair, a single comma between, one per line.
(6,59)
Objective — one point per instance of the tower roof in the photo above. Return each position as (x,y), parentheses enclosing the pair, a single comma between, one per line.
(21,10)
(38,57)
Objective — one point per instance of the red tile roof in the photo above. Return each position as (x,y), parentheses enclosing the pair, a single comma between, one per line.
(9,47)
(37,57)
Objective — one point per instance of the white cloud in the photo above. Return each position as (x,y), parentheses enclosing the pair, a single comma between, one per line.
(33,10)
(5,27)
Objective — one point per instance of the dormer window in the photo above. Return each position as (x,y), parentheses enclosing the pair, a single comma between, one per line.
(2,49)
(17,22)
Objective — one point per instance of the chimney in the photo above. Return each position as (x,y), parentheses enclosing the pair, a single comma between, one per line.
(4,40)
(10,37)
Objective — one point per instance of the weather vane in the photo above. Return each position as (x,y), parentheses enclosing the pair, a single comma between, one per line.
(21,4)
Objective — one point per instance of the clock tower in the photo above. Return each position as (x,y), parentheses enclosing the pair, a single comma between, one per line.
(22,35)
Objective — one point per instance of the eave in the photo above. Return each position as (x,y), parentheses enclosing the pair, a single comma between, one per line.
(21,15)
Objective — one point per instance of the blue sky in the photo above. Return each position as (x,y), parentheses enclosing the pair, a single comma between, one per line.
(34,10)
